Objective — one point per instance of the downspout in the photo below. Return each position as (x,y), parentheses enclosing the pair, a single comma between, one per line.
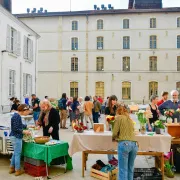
(35,67)
(87,56)
(1,81)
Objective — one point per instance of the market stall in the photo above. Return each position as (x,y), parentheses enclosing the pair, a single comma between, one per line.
(90,142)
(48,152)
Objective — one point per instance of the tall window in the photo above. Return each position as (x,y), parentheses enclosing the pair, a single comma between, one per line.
(74,25)
(126,63)
(153,23)
(153,63)
(99,24)
(100,42)
(153,88)
(13,41)
(153,42)
(178,63)
(100,89)
(74,89)
(178,41)
(74,43)
(178,88)
(178,22)
(27,84)
(28,49)
(74,64)
(99,64)
(126,42)
(125,23)
(12,75)
(126,90)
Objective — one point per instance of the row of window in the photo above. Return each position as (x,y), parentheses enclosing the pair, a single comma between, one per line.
(126,24)
(126,63)
(126,89)
(13,44)
(27,83)
(126,42)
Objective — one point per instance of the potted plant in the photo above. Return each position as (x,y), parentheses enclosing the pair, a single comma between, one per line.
(169,114)
(158,126)
(142,120)
(111,120)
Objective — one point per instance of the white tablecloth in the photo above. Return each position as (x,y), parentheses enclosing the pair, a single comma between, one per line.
(89,140)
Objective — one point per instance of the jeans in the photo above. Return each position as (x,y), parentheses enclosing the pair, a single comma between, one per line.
(36,115)
(127,151)
(95,117)
(16,158)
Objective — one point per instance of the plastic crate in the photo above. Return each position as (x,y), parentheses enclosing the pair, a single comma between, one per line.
(147,174)
(35,171)
(35,162)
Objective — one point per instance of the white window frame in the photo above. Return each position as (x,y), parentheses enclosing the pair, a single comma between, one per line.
(153,42)
(74,25)
(12,83)
(153,22)
(178,41)
(129,68)
(27,84)
(100,42)
(101,61)
(74,68)
(154,61)
(100,24)
(75,48)
(126,45)
(178,22)
(28,49)
(125,24)
(13,41)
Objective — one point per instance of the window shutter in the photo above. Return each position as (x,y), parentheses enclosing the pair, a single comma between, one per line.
(24,84)
(14,83)
(30,85)
(18,49)
(15,42)
(25,48)
(8,39)
(31,50)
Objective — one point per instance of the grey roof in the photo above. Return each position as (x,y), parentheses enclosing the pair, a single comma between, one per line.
(98,12)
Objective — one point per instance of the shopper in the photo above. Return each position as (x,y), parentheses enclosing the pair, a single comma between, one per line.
(69,103)
(15,105)
(96,109)
(123,132)
(75,111)
(155,113)
(35,106)
(88,107)
(111,110)
(81,109)
(164,98)
(16,135)
(63,111)
(49,119)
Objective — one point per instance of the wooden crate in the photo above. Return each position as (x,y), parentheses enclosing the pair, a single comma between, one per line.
(104,176)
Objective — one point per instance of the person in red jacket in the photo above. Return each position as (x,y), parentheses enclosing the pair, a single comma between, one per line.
(164,98)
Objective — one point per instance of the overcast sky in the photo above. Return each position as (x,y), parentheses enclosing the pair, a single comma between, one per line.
(20,6)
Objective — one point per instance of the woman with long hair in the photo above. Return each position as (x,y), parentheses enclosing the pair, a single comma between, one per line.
(123,132)
(111,110)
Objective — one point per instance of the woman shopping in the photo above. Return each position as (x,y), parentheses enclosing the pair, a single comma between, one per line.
(16,135)
(123,132)
(49,119)
(111,110)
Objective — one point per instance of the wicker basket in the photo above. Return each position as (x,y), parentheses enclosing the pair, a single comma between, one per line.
(42,139)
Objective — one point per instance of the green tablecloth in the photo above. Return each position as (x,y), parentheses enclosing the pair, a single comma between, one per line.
(47,153)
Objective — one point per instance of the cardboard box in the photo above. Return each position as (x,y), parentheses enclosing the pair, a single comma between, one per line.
(98,127)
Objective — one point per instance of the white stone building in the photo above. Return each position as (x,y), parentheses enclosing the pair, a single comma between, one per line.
(18,59)
(131,53)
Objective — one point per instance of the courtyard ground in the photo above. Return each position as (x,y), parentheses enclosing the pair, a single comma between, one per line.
(75,174)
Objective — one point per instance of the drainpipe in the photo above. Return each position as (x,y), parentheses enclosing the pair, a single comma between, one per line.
(35,86)
(1,110)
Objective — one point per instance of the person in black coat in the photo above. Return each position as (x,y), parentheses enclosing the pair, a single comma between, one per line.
(49,119)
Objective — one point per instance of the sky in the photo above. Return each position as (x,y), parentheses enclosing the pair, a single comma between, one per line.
(20,6)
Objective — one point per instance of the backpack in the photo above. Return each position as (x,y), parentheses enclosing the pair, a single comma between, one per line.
(60,104)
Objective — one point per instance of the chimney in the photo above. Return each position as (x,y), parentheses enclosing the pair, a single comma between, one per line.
(7,4)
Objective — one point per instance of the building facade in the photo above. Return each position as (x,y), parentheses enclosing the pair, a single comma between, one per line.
(18,55)
(130,53)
